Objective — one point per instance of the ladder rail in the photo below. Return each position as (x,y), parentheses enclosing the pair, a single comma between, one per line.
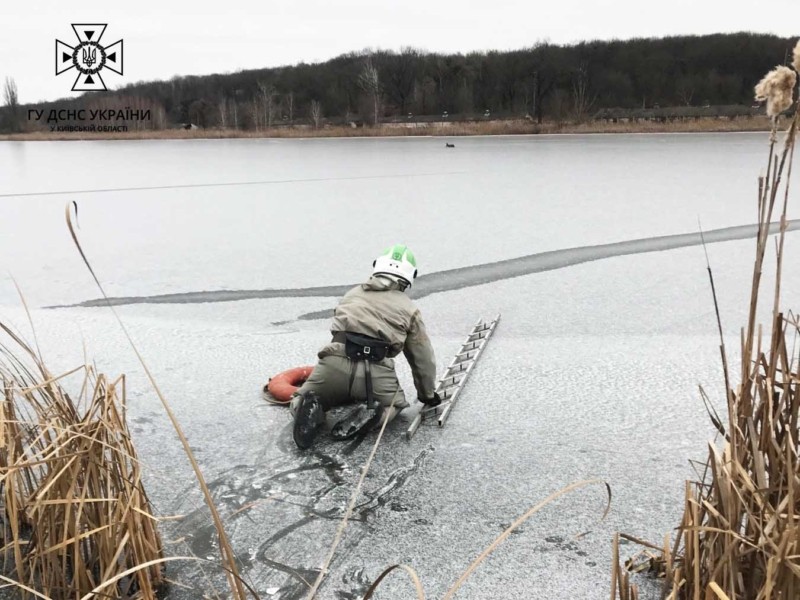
(412,429)
(461,351)
(458,368)
(454,397)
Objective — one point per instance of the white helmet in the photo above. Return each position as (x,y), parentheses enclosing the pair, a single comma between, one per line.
(398,261)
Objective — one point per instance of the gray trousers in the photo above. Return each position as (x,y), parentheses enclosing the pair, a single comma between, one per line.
(331,382)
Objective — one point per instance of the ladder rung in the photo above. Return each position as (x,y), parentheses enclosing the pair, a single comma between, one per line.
(458,368)
(450,381)
(443,390)
(468,353)
(428,410)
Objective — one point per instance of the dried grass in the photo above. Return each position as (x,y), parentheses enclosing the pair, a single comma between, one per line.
(77,520)
(457,128)
(739,537)
(776,89)
(796,57)
(238,587)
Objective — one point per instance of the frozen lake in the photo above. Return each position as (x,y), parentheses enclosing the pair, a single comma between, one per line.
(593,371)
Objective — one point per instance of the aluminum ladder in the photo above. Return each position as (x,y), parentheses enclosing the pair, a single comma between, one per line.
(452,382)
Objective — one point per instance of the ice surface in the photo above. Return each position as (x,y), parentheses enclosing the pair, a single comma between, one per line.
(593,370)
(454,279)
(489,200)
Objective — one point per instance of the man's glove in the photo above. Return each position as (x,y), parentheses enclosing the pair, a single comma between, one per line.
(431,402)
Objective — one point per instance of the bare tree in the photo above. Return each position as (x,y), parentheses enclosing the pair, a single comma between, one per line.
(290,106)
(530,88)
(255,113)
(268,96)
(402,71)
(685,90)
(202,113)
(369,82)
(558,102)
(271,104)
(222,107)
(234,109)
(161,117)
(463,98)
(316,113)
(10,93)
(425,96)
(582,99)
(11,100)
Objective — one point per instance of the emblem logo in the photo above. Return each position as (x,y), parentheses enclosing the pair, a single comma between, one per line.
(89,57)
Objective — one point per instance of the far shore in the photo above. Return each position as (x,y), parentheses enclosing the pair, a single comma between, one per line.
(436,129)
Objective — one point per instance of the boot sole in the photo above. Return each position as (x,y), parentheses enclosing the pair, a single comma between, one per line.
(306,424)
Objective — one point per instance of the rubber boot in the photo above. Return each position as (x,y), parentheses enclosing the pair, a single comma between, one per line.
(360,419)
(308,420)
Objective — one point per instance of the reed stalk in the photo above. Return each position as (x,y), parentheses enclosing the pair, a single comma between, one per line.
(77,521)
(739,537)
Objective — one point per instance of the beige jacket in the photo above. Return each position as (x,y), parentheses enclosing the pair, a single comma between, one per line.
(379,309)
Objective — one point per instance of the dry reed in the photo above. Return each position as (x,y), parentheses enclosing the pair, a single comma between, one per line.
(796,57)
(739,536)
(238,587)
(776,90)
(456,128)
(77,520)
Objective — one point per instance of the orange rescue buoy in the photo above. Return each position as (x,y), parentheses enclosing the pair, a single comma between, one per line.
(283,385)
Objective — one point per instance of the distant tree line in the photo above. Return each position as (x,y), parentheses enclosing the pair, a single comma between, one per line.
(545,81)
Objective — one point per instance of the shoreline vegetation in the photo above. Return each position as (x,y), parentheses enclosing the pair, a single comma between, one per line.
(738,535)
(667,80)
(428,129)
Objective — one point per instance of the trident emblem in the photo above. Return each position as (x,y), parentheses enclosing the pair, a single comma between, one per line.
(89,56)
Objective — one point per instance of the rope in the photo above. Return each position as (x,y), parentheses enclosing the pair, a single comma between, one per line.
(351,505)
(230,183)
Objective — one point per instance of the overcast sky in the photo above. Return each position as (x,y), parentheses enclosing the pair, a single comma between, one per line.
(180,37)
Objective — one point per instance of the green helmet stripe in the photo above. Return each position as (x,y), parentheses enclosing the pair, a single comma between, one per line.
(410,258)
(398,251)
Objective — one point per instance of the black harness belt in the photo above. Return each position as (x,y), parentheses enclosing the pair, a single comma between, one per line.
(366,349)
